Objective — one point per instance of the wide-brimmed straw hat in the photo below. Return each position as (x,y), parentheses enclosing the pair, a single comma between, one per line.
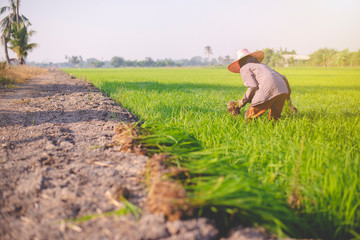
(235,67)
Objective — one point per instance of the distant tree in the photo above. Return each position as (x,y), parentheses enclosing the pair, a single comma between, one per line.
(7,22)
(354,58)
(272,58)
(291,61)
(195,61)
(323,57)
(285,51)
(117,62)
(221,60)
(164,63)
(93,62)
(149,62)
(342,58)
(276,59)
(98,64)
(214,62)
(268,53)
(90,61)
(169,62)
(130,63)
(208,51)
(228,59)
(19,41)
(74,60)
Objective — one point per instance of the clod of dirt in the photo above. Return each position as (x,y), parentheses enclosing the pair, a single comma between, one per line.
(233,108)
(247,233)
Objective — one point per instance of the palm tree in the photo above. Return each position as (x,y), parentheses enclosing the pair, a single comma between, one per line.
(19,41)
(208,51)
(7,21)
(5,28)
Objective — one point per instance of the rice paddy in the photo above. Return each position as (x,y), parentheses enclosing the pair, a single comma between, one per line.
(298,177)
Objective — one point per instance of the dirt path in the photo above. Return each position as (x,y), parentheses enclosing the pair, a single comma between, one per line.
(56,165)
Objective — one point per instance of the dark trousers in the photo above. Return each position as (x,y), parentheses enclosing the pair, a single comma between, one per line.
(275,105)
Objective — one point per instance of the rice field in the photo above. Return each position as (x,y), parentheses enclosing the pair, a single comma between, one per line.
(298,177)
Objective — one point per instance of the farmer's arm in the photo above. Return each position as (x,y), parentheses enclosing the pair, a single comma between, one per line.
(249,94)
(249,80)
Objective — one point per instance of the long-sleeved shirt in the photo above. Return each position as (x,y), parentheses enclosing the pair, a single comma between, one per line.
(263,83)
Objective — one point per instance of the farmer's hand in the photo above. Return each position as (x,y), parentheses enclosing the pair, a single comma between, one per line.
(242,102)
(233,108)
(291,107)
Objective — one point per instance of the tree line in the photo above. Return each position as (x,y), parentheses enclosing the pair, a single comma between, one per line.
(117,62)
(322,57)
(333,58)
(15,33)
(274,58)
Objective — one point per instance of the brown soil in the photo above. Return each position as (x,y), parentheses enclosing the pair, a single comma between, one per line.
(58,162)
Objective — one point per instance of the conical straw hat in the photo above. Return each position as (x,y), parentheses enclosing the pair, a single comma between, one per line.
(235,67)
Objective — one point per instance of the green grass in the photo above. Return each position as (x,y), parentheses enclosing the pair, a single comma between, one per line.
(314,153)
(128,208)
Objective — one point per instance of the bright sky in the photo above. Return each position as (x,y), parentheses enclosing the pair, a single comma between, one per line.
(135,29)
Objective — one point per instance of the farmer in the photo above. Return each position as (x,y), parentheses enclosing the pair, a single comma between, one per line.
(267,89)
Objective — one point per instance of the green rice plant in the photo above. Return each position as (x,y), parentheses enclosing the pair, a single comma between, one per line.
(128,208)
(310,158)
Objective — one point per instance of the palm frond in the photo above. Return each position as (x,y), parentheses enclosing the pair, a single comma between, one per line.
(31,32)
(4,9)
(13,5)
(5,24)
(31,46)
(22,18)
(15,49)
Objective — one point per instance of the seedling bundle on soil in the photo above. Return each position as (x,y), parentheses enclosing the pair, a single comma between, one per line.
(208,180)
(166,195)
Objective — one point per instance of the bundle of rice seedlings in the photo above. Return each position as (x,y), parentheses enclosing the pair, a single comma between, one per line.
(166,195)
(233,108)
(125,138)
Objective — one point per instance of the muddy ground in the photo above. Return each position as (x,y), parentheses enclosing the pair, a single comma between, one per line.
(57,164)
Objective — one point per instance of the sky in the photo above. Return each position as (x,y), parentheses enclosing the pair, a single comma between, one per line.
(135,29)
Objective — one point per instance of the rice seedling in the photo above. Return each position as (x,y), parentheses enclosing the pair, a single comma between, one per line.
(299,176)
(128,208)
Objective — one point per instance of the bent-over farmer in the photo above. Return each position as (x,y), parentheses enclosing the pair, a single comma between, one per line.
(267,89)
